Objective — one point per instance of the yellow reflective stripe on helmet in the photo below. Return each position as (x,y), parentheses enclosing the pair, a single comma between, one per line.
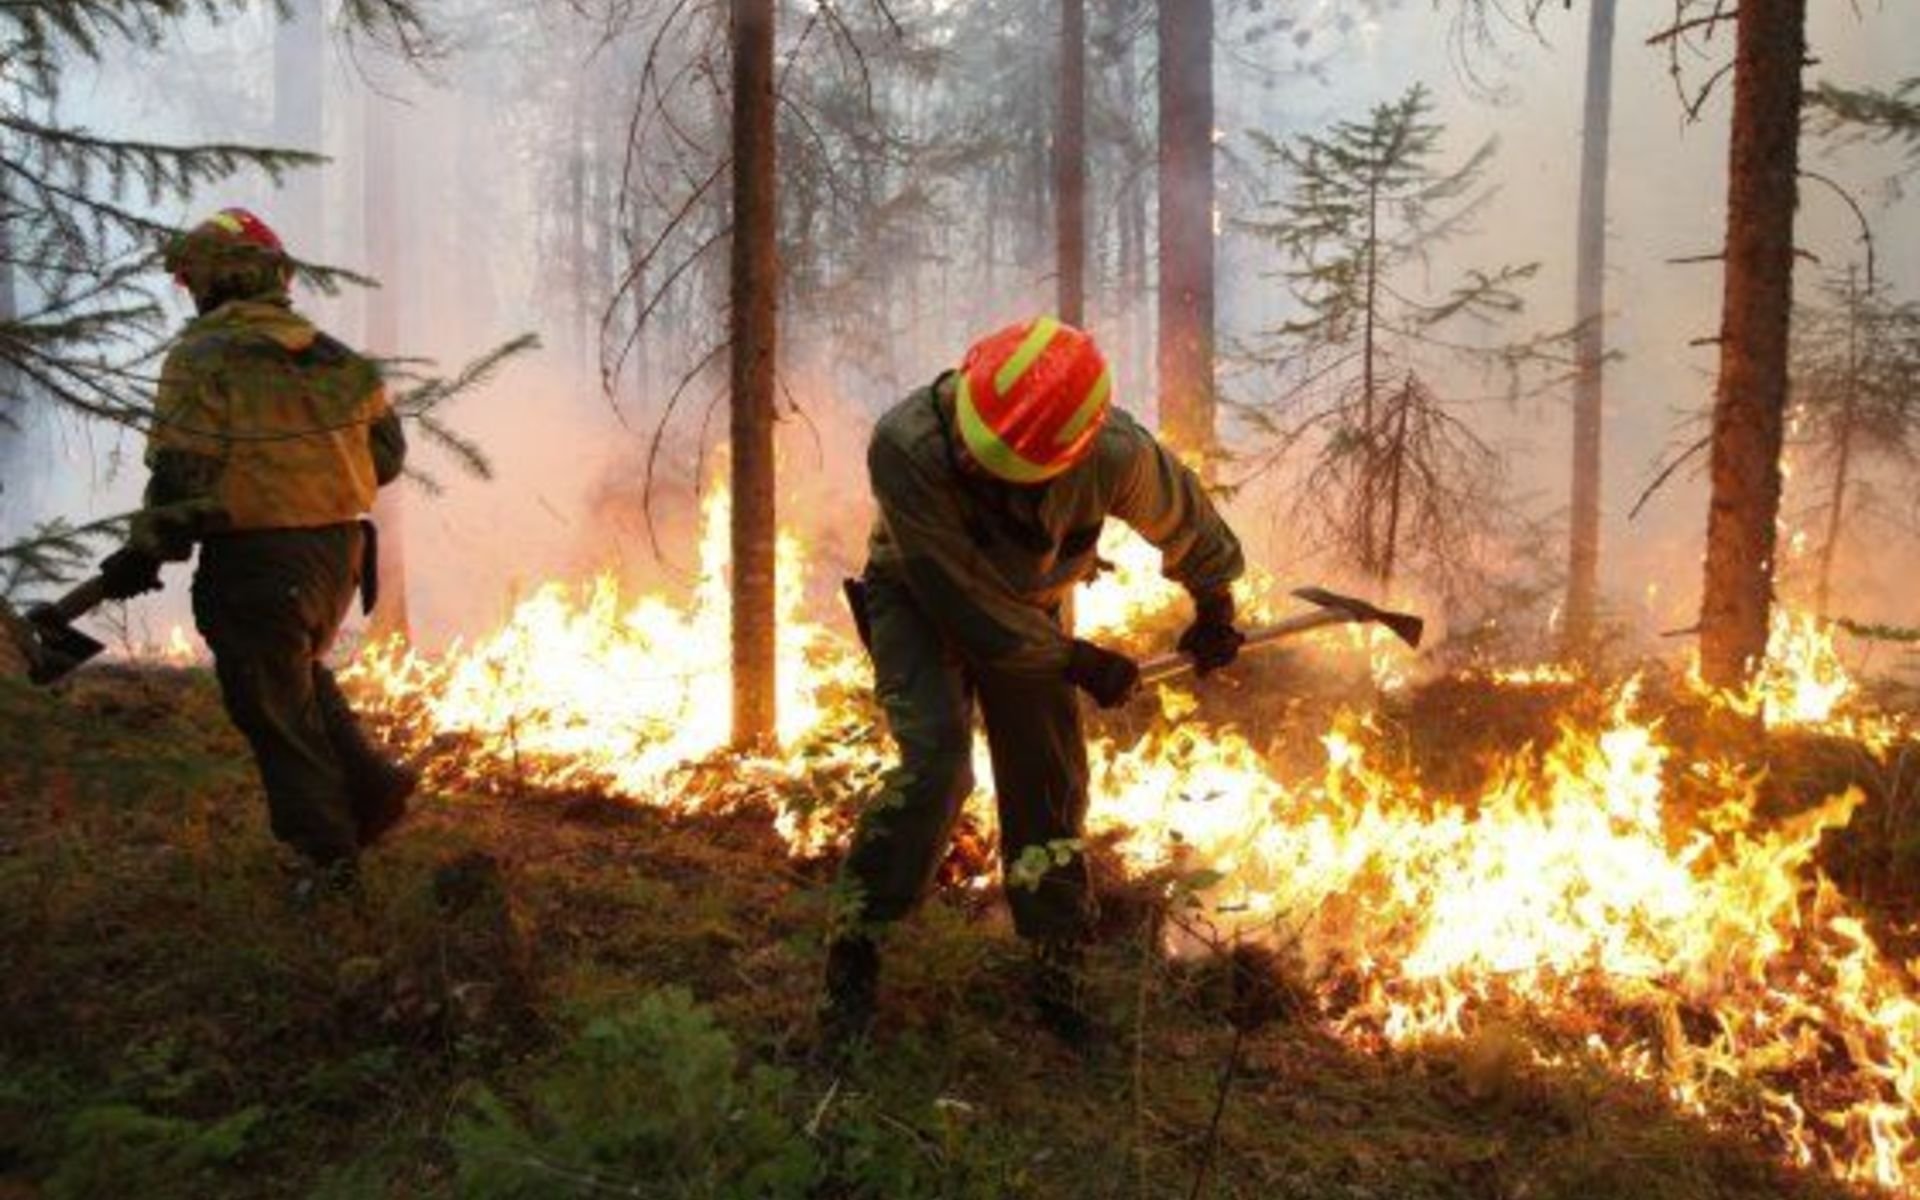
(1031,348)
(986,447)
(228,222)
(1091,407)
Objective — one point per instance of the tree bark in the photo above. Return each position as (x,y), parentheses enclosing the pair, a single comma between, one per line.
(380,217)
(1186,225)
(1583,548)
(1750,408)
(1070,163)
(755,324)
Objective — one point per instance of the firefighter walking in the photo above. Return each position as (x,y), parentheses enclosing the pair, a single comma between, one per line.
(268,442)
(992,485)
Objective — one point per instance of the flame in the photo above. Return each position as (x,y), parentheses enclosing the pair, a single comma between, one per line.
(1804,684)
(1628,904)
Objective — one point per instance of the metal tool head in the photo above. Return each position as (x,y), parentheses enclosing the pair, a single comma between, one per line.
(1405,626)
(58,649)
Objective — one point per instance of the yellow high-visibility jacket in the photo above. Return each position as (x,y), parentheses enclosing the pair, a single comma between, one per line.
(263,422)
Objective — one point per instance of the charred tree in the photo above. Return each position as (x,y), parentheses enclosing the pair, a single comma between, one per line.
(755,292)
(1750,404)
(1590,340)
(1186,225)
(1070,163)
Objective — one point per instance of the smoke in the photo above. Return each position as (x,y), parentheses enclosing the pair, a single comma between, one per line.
(503,207)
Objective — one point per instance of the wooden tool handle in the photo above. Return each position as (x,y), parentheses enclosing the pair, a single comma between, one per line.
(78,602)
(1170,666)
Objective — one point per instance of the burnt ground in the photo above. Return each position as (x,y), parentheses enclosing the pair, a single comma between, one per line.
(556,996)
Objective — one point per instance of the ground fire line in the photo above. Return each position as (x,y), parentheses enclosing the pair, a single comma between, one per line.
(1706,955)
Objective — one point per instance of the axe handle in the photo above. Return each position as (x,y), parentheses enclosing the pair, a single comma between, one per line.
(78,602)
(1170,666)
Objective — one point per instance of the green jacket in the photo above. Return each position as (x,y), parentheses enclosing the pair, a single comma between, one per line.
(995,565)
(263,422)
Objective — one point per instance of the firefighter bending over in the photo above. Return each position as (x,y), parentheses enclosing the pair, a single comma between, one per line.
(268,442)
(992,486)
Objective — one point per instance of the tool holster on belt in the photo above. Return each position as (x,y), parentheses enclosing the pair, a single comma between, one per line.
(369,566)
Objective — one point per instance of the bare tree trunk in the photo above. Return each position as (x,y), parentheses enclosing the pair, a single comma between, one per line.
(1750,408)
(1369,390)
(380,199)
(1583,548)
(299,122)
(1396,485)
(1070,163)
(18,469)
(755,309)
(1186,225)
(1843,457)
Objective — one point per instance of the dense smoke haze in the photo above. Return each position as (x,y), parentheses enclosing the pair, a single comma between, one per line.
(494,190)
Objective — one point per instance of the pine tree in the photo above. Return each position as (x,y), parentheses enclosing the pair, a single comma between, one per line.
(1590,348)
(83,332)
(1856,358)
(1749,413)
(1890,115)
(755,324)
(1186,225)
(1392,465)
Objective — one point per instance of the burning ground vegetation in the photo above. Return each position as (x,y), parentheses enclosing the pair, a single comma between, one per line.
(1613,874)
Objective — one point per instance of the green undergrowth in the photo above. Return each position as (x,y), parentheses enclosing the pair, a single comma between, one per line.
(555,997)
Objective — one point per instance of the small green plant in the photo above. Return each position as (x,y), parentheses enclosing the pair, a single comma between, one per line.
(652,1100)
(109,1145)
(1035,861)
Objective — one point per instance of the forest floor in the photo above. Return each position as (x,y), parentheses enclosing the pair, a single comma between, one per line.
(535,984)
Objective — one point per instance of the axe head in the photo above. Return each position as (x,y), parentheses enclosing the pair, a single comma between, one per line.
(1405,626)
(57,649)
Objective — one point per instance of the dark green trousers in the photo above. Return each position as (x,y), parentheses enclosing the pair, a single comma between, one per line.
(1039,756)
(268,604)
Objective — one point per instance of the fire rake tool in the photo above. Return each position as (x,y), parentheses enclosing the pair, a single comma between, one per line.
(46,637)
(1330,608)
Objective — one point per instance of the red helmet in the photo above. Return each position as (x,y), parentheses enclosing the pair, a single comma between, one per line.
(231,250)
(1031,399)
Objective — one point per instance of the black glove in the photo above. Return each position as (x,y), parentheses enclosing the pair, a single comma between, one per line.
(1110,678)
(1211,641)
(127,572)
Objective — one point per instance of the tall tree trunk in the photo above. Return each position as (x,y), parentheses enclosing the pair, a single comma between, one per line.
(380,197)
(299,123)
(1186,225)
(1843,456)
(1396,487)
(1070,163)
(755,319)
(18,468)
(1750,409)
(1583,541)
(1369,389)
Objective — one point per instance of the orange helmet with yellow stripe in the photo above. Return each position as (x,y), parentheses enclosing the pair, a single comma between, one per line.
(1031,399)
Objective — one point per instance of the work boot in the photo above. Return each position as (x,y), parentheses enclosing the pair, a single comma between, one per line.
(853,987)
(1058,985)
(380,793)
(377,786)
(317,884)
